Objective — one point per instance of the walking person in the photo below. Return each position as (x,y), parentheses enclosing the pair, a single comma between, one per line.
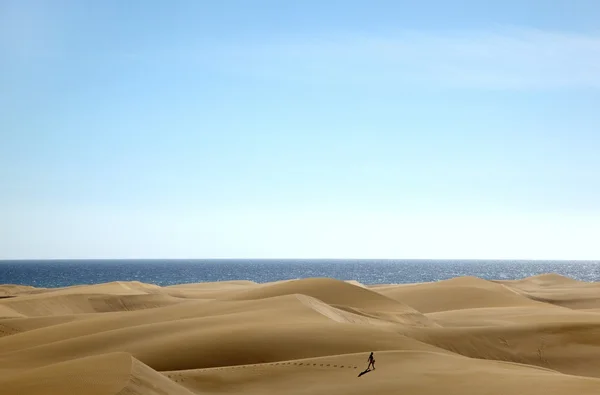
(371,361)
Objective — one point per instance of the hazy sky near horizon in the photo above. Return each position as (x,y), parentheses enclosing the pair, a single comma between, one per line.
(309,129)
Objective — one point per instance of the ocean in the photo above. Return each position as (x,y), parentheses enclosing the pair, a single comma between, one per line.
(59,273)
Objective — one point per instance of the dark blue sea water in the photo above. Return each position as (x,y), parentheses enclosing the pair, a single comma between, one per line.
(167,272)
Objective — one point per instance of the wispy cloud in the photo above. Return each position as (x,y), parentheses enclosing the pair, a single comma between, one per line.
(494,59)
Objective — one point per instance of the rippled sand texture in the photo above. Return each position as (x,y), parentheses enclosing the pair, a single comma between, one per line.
(539,335)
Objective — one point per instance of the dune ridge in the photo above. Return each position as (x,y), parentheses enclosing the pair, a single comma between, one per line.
(466,335)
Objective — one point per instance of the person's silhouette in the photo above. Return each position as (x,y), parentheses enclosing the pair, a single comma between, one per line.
(371,361)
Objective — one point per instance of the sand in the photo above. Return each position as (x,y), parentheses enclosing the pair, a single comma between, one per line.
(538,335)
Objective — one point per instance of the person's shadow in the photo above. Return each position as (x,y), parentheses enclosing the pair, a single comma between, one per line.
(364,372)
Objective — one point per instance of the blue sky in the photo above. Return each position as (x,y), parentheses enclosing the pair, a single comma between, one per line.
(318,129)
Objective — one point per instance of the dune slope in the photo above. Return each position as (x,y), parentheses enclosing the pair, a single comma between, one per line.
(400,372)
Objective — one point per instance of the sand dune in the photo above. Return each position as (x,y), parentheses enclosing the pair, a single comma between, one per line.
(209,290)
(507,316)
(220,285)
(456,294)
(342,295)
(7,312)
(558,290)
(460,336)
(244,334)
(46,305)
(7,290)
(399,372)
(572,348)
(108,374)
(330,291)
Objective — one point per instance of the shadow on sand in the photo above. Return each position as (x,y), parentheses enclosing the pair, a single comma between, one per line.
(364,372)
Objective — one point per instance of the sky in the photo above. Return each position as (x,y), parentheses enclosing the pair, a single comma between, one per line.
(312,129)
